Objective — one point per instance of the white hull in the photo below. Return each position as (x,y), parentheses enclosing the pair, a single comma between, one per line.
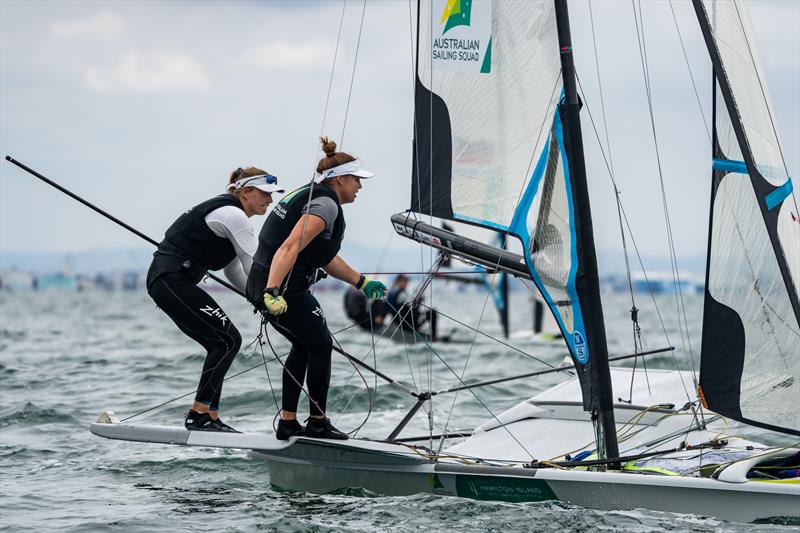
(547,426)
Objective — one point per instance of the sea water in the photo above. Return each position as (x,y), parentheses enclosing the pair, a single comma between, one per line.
(65,357)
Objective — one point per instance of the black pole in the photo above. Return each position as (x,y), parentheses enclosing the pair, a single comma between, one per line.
(81,200)
(209,274)
(543,372)
(587,280)
(504,293)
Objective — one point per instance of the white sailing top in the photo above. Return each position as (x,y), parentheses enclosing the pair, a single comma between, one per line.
(230,222)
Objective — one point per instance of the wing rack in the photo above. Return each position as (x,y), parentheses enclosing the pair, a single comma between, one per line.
(460,247)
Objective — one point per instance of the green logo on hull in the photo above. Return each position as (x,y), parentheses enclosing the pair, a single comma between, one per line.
(508,489)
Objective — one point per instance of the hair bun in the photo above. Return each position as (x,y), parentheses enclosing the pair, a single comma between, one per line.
(328,146)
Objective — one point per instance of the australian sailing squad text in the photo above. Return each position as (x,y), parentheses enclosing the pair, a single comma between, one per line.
(456,49)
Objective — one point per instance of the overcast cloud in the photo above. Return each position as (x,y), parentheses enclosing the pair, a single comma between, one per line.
(145,107)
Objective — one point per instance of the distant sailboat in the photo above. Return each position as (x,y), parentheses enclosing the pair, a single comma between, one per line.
(498,144)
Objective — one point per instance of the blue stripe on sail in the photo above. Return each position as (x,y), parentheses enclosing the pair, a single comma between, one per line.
(774,198)
(581,352)
(478,221)
(520,228)
(780,194)
(728,165)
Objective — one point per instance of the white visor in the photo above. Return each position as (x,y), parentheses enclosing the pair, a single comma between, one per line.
(353,168)
(264,182)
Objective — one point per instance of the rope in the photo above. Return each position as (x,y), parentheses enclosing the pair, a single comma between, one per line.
(673,255)
(637,340)
(321,129)
(689,68)
(491,413)
(353,75)
(257,338)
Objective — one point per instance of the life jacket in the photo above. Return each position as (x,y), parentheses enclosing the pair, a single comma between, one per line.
(189,245)
(280,223)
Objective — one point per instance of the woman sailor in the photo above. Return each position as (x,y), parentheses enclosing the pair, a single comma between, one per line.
(212,235)
(303,233)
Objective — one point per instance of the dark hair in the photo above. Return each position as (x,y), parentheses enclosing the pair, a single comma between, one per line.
(240,173)
(332,157)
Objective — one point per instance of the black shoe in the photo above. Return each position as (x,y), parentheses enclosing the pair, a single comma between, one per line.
(321,428)
(222,426)
(288,429)
(195,421)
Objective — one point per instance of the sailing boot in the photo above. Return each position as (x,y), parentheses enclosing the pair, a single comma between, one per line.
(195,421)
(321,428)
(222,426)
(288,429)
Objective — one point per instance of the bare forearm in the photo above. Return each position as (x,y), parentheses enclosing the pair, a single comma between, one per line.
(339,269)
(306,229)
(282,262)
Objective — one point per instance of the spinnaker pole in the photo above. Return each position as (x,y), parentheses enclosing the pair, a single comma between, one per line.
(587,280)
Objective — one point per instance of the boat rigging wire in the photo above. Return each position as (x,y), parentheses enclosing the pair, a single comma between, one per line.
(624,215)
(634,311)
(353,75)
(432,351)
(682,325)
(566,369)
(322,129)
(691,76)
(224,380)
(499,341)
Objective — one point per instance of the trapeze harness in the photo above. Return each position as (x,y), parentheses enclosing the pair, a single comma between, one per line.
(190,249)
(303,324)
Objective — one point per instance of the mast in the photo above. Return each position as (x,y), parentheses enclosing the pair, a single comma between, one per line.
(587,280)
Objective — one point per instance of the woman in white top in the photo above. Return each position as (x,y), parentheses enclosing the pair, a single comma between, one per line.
(213,235)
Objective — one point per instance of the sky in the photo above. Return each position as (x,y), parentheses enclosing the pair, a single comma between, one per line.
(144,108)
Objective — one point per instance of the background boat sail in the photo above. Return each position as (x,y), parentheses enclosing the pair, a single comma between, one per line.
(502,150)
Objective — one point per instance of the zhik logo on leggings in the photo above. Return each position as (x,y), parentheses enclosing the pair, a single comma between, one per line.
(319,313)
(215,312)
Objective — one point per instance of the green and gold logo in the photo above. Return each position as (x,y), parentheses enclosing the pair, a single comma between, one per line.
(456,13)
(463,40)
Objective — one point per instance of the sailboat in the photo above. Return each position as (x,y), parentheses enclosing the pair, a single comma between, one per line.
(498,144)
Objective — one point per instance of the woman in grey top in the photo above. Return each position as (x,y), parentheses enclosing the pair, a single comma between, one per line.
(302,234)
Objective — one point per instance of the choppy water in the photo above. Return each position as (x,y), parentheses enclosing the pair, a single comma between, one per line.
(66,357)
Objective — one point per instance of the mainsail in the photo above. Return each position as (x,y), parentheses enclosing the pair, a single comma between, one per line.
(750,362)
(490,149)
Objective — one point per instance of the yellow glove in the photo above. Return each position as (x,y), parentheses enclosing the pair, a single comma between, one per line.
(274,303)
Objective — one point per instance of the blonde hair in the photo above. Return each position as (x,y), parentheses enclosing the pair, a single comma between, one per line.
(240,173)
(332,158)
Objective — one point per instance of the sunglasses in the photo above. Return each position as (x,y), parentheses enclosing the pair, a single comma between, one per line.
(269,178)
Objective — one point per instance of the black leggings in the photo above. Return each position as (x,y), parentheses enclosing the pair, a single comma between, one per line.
(201,318)
(304,325)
